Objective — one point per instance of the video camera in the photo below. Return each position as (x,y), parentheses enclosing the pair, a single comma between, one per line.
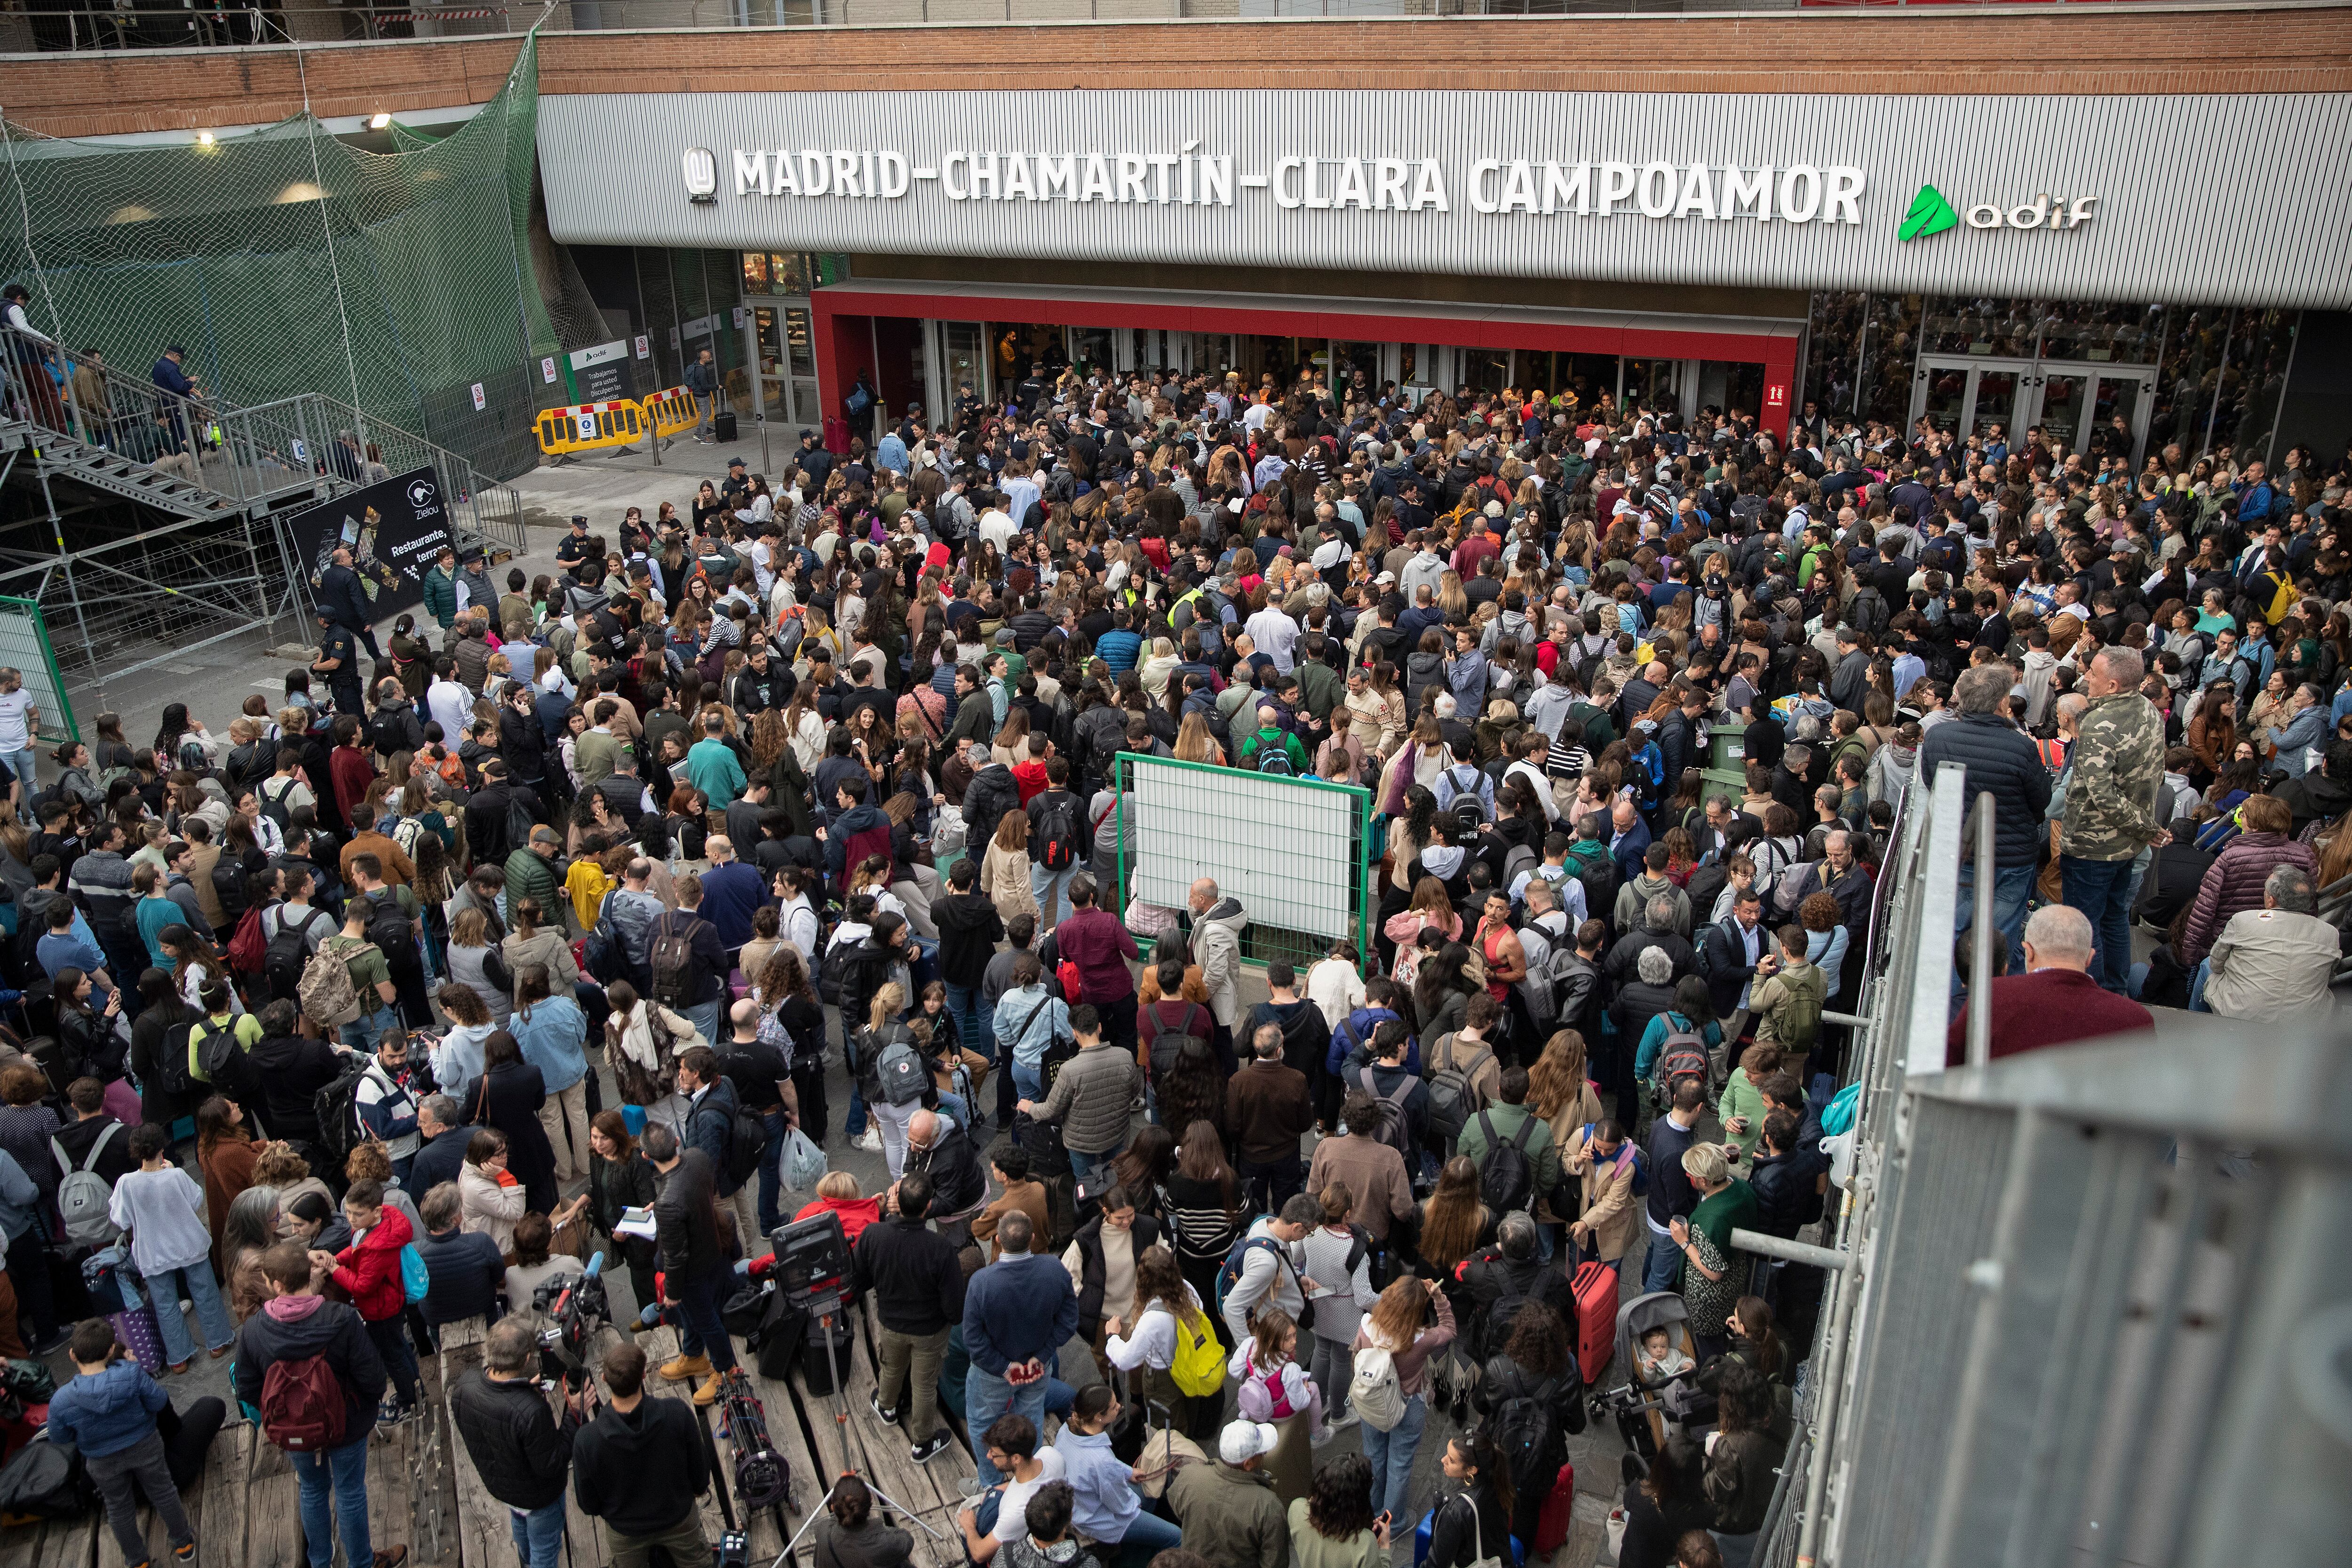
(576,1309)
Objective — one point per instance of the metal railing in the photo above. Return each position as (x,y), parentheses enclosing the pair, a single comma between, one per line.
(2083,1304)
(228,474)
(150,24)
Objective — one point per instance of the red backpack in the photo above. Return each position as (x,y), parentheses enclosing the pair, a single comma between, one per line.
(302,1406)
(248,950)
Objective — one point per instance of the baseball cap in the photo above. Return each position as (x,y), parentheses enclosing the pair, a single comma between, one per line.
(735,463)
(579,519)
(1385,580)
(1243,1441)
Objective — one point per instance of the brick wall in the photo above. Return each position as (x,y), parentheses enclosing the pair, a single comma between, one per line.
(2086,51)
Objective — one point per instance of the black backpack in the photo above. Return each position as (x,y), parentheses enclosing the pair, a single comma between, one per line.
(747,1140)
(282,959)
(388,927)
(172,1072)
(519,817)
(1526,1434)
(336,1106)
(671,962)
(1058,833)
(1507,1179)
(1167,1044)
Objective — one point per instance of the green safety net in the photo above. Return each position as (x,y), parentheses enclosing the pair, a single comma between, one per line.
(286,262)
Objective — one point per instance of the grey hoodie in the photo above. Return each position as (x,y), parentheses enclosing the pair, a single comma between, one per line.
(1509,624)
(1635,895)
(1889,773)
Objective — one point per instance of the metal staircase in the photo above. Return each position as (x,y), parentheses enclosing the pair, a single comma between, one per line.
(203,551)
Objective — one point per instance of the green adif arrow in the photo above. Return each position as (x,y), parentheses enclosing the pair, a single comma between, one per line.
(1929,213)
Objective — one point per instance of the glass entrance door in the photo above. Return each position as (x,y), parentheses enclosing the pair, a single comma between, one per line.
(1967,396)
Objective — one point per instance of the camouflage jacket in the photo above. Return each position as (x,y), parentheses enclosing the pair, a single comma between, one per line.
(2117,769)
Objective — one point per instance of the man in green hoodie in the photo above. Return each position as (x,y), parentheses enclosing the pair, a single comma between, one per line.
(1260,748)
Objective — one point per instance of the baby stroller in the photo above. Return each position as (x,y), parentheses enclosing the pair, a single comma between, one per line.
(1650,1408)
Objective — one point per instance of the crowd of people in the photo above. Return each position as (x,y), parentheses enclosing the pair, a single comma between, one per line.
(378,1010)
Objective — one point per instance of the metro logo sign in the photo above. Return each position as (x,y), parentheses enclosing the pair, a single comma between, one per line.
(1929,213)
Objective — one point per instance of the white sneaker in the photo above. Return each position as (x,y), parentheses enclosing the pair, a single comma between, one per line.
(870,1141)
(1342,1422)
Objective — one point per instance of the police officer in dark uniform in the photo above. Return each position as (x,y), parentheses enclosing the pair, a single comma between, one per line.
(574,549)
(339,662)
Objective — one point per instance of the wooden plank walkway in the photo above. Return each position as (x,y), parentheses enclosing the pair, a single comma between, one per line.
(424,1492)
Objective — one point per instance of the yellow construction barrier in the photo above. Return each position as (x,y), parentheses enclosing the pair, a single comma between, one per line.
(672,412)
(590,427)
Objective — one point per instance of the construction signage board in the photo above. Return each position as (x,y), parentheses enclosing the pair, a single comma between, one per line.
(395,528)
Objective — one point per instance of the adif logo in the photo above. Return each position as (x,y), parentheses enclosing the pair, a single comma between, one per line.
(701,174)
(421,494)
(1931,212)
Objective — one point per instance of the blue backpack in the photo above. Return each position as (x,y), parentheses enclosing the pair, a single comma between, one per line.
(415,1280)
(1230,1274)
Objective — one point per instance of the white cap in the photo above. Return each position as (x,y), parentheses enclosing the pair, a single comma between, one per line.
(1243,1441)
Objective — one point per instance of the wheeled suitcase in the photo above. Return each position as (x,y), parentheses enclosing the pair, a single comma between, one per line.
(722,426)
(1594,1285)
(1559,1514)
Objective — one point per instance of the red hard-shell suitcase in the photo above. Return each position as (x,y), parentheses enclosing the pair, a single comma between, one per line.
(1559,1512)
(1595,1288)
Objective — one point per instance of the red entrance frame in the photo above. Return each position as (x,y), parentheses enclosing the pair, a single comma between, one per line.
(844,334)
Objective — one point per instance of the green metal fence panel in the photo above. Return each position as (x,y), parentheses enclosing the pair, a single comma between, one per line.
(24,646)
(1295,851)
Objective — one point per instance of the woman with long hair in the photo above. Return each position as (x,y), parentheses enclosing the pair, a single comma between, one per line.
(477,965)
(226,1153)
(1483,1510)
(1664,1505)
(1454,1220)
(1172,1327)
(1194,1092)
(619,1178)
(792,1019)
(247,1229)
(1204,1207)
(1538,1361)
(884,1028)
(1004,869)
(1195,745)
(1143,1166)
(1412,1320)
(1441,987)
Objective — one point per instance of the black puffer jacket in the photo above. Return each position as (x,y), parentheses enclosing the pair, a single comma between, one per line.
(523,1455)
(1998,758)
(987,798)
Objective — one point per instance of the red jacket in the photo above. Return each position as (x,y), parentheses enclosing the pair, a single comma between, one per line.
(369,1270)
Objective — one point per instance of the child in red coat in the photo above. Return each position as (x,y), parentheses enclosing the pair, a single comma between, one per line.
(368,1272)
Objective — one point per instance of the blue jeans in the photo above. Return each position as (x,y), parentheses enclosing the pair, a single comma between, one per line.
(975,1019)
(1052,890)
(1029,1080)
(362,1032)
(854,1124)
(345,1469)
(1391,1457)
(165,1287)
(700,1330)
(539,1534)
(2011,887)
(1146,1536)
(2102,890)
(987,1396)
(704,1016)
(2197,986)
(1663,1266)
(771,1170)
(1086,1167)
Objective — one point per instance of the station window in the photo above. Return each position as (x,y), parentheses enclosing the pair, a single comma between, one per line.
(776,272)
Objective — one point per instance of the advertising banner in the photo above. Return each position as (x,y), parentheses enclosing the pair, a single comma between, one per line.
(393,528)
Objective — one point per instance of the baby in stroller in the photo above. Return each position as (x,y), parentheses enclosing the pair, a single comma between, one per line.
(1659,1359)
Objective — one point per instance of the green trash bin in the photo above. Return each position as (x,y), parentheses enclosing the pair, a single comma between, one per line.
(1726,769)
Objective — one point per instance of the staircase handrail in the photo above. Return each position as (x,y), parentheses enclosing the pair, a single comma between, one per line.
(297,436)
